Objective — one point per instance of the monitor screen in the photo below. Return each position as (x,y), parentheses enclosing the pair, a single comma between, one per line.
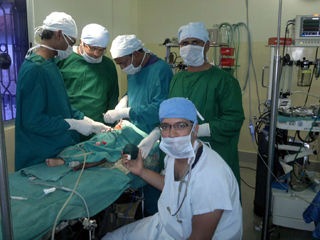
(306,31)
(310,27)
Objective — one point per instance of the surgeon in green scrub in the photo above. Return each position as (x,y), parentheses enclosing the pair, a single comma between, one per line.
(90,77)
(45,121)
(215,93)
(148,85)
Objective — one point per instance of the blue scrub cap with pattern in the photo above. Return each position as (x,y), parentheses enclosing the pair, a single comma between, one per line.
(193,30)
(178,108)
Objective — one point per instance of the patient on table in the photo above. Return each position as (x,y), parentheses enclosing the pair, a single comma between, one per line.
(108,146)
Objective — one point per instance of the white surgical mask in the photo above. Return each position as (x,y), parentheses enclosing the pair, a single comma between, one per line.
(192,55)
(177,147)
(88,58)
(62,54)
(130,70)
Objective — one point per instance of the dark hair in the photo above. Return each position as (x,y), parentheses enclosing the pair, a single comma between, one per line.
(46,34)
(140,50)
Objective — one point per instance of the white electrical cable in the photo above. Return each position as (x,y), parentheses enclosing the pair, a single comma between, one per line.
(66,203)
(306,94)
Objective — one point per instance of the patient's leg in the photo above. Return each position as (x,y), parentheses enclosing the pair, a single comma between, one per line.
(54,162)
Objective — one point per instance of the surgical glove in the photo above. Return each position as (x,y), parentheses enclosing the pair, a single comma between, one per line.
(81,126)
(113,115)
(97,126)
(123,103)
(147,143)
(204,130)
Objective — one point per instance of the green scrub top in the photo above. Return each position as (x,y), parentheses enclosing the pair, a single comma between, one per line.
(146,90)
(217,96)
(42,105)
(92,87)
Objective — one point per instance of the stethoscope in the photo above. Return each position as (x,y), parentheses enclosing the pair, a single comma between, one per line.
(184,196)
(180,188)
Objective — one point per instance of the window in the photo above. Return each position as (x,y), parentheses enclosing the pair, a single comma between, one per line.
(14,41)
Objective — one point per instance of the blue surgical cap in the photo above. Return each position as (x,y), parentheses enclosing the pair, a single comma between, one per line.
(178,108)
(193,30)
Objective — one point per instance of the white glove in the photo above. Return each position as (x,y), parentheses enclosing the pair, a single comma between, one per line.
(81,126)
(123,103)
(147,143)
(113,115)
(97,126)
(204,130)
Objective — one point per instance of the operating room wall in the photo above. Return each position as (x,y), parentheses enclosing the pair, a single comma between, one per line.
(158,20)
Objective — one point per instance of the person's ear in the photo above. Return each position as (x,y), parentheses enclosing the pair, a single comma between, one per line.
(206,48)
(196,129)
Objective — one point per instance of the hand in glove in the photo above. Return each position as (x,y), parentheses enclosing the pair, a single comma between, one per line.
(123,103)
(81,126)
(97,126)
(113,115)
(204,130)
(147,143)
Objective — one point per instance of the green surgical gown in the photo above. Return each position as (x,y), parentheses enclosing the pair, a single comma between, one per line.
(42,105)
(92,88)
(217,96)
(146,90)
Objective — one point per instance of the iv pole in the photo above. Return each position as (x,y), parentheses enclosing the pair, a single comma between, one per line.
(272,133)
(6,218)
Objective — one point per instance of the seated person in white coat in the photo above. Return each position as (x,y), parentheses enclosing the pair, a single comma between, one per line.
(200,194)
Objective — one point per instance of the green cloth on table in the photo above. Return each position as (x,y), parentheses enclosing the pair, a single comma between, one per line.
(106,145)
(99,186)
(43,172)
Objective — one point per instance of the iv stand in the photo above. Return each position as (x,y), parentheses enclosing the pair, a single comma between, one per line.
(272,132)
(6,218)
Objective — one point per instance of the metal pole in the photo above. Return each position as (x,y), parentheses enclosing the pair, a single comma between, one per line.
(272,133)
(6,220)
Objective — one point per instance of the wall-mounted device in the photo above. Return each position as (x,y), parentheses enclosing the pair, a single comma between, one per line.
(307,30)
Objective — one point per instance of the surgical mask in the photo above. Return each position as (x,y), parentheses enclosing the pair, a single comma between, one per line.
(62,54)
(130,70)
(192,55)
(177,147)
(88,58)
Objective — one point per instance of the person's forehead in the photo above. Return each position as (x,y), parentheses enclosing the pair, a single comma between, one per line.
(120,59)
(191,40)
(96,47)
(174,120)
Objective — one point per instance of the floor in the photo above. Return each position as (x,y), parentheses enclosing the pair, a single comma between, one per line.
(251,230)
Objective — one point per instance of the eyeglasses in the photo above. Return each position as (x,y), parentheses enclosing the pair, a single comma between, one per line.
(93,49)
(72,41)
(178,126)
